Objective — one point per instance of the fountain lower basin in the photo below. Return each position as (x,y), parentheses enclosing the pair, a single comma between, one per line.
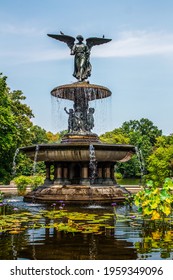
(72,179)
(80,152)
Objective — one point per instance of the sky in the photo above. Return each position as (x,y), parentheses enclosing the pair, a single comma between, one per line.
(137,65)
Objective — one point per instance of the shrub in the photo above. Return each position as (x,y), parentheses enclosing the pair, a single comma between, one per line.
(118,176)
(22,182)
(36,181)
(155,203)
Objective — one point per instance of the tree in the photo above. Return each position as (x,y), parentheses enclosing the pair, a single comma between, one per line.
(140,133)
(116,136)
(143,134)
(144,127)
(53,138)
(15,127)
(160,162)
(39,135)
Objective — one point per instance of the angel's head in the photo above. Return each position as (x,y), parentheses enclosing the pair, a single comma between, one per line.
(80,38)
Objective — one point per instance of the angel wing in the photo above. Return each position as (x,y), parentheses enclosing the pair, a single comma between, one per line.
(93,41)
(69,40)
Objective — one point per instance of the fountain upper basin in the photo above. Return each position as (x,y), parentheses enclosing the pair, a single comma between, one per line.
(79,152)
(72,91)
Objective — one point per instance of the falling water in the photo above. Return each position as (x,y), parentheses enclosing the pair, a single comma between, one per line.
(92,163)
(103,115)
(35,159)
(141,161)
(14,162)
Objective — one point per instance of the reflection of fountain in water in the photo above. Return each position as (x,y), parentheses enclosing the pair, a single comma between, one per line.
(14,162)
(92,164)
(35,159)
(93,248)
(13,247)
(141,161)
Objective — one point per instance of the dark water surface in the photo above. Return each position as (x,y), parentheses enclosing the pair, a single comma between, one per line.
(124,240)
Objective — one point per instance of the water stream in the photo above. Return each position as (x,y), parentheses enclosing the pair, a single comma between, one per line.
(14,162)
(92,164)
(35,159)
(141,161)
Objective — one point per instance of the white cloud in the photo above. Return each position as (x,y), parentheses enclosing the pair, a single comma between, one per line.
(128,44)
(137,44)
(9,29)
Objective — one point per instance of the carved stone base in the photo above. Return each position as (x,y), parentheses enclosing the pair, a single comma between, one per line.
(78,194)
(80,138)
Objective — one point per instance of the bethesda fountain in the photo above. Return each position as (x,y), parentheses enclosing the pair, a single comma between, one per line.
(83,167)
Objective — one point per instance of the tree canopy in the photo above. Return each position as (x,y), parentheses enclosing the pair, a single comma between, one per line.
(140,133)
(15,123)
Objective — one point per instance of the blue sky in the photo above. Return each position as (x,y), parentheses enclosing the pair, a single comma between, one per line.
(137,65)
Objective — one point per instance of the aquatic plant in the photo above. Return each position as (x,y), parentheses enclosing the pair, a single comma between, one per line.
(60,220)
(155,203)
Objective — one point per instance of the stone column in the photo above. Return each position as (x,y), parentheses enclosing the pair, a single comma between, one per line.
(47,180)
(55,171)
(85,174)
(58,174)
(107,175)
(65,172)
(100,174)
(112,173)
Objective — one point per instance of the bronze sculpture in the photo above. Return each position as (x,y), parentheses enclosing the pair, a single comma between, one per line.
(81,51)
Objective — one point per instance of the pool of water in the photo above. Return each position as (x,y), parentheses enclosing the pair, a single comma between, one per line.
(121,239)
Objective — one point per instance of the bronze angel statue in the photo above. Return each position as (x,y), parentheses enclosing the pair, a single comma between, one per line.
(81,51)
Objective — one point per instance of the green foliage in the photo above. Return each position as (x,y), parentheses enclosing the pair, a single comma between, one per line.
(155,203)
(39,135)
(15,126)
(160,162)
(118,175)
(59,220)
(22,182)
(140,133)
(143,134)
(55,138)
(1,197)
(144,127)
(36,181)
(117,136)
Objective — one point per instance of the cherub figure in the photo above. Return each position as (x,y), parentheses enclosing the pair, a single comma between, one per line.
(70,119)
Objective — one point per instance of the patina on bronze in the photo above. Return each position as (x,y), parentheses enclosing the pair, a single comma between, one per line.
(81,52)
